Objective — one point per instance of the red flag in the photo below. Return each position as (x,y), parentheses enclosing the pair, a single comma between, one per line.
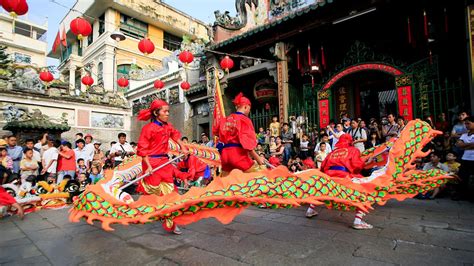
(219,111)
(63,37)
(310,61)
(56,42)
(323,58)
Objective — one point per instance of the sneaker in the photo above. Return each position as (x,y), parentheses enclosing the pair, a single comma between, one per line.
(362,226)
(177,231)
(311,213)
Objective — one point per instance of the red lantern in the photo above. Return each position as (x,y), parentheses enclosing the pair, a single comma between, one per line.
(122,82)
(186,57)
(158,84)
(227,63)
(146,46)
(81,27)
(46,76)
(87,80)
(185,85)
(15,7)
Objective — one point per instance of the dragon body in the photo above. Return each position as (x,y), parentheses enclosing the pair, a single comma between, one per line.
(224,198)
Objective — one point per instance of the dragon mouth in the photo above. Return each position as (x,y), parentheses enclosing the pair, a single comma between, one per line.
(54,200)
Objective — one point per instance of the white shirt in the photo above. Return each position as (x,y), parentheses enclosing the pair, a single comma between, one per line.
(357,134)
(118,147)
(328,149)
(468,154)
(82,154)
(90,150)
(49,155)
(440,166)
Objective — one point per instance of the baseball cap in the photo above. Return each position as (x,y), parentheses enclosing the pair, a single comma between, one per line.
(3,143)
(88,135)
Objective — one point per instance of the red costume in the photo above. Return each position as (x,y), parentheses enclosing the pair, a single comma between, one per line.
(5,198)
(238,135)
(195,167)
(153,142)
(344,161)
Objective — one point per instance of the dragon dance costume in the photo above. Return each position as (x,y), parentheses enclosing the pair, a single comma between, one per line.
(238,135)
(225,198)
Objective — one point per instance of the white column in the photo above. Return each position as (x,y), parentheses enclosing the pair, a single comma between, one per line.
(72,79)
(109,69)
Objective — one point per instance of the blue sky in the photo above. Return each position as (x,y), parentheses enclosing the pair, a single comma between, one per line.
(39,10)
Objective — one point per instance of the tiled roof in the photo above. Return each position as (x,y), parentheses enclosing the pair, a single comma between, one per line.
(271,24)
(196,88)
(36,124)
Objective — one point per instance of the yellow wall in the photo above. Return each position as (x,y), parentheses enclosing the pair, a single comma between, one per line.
(156,35)
(125,57)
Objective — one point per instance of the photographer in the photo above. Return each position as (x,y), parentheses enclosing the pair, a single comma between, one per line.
(121,150)
(358,135)
(390,129)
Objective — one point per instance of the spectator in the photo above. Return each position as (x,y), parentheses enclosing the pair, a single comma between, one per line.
(336,134)
(185,140)
(95,175)
(330,129)
(109,160)
(41,144)
(121,150)
(374,127)
(304,147)
(273,145)
(89,147)
(79,136)
(287,139)
(194,141)
(66,162)
(447,144)
(441,124)
(466,143)
(267,137)
(259,149)
(134,146)
(346,124)
(293,126)
(279,149)
(321,154)
(99,158)
(275,127)
(81,167)
(28,165)
(6,163)
(359,135)
(327,147)
(373,141)
(50,159)
(107,153)
(15,152)
(390,130)
(30,144)
(261,136)
(435,164)
(458,129)
(452,164)
(84,181)
(401,124)
(82,153)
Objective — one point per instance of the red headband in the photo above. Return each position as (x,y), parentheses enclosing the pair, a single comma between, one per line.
(241,100)
(345,141)
(145,114)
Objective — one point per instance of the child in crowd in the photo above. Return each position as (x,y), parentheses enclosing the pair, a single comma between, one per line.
(28,165)
(95,175)
(321,154)
(261,136)
(304,147)
(275,127)
(273,145)
(83,181)
(451,163)
(81,167)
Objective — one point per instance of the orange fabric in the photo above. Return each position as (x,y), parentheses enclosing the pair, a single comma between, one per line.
(344,157)
(195,167)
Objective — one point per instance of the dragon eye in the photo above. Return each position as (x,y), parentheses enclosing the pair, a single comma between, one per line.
(72,188)
(42,190)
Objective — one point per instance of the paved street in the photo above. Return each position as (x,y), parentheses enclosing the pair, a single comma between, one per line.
(414,232)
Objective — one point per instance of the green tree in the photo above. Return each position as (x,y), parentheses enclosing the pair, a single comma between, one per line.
(4,61)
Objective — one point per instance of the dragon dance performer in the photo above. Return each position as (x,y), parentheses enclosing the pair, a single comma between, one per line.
(344,162)
(153,148)
(238,135)
(7,201)
(196,169)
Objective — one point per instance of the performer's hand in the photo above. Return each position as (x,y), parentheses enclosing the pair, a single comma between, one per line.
(185,151)
(149,171)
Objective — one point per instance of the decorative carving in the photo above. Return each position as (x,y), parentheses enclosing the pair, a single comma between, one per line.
(323,95)
(405,80)
(240,20)
(13,113)
(107,120)
(27,79)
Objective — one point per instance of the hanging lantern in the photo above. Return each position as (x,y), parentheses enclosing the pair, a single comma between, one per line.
(158,84)
(81,28)
(185,85)
(87,80)
(227,63)
(146,46)
(122,82)
(15,7)
(46,77)
(186,57)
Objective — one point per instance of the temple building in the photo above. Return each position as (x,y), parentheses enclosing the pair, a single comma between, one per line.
(321,59)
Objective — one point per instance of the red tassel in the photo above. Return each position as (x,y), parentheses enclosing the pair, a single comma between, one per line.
(410,41)
(431,57)
(323,58)
(425,20)
(312,81)
(298,63)
(310,62)
(446,25)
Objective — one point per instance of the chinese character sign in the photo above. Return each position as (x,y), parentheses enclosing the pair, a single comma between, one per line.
(405,107)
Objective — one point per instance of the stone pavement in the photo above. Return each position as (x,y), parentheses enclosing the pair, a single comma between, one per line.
(414,232)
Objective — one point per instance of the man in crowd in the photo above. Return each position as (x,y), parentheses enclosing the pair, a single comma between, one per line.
(30,144)
(358,134)
(121,149)
(89,145)
(15,152)
(50,159)
(287,139)
(82,153)
(466,143)
(391,129)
